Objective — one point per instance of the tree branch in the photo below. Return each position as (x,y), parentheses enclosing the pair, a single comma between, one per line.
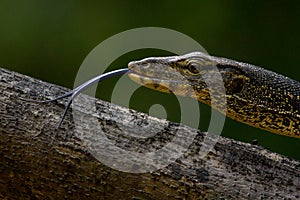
(38,161)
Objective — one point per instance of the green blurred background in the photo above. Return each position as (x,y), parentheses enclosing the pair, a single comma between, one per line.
(50,39)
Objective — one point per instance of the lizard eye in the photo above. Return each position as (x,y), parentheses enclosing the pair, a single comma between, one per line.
(193,69)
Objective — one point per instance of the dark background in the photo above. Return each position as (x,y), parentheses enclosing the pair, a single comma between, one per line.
(50,39)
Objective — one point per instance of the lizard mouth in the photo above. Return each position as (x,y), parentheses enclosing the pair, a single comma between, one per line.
(162,80)
(141,73)
(149,81)
(146,73)
(150,78)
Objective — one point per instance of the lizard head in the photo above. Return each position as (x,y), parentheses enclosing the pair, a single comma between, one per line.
(186,75)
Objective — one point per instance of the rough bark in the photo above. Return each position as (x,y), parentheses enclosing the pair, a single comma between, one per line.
(38,161)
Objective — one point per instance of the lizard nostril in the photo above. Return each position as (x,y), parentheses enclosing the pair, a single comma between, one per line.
(147,65)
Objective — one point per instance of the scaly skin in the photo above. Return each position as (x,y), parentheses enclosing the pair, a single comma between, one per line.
(254,96)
